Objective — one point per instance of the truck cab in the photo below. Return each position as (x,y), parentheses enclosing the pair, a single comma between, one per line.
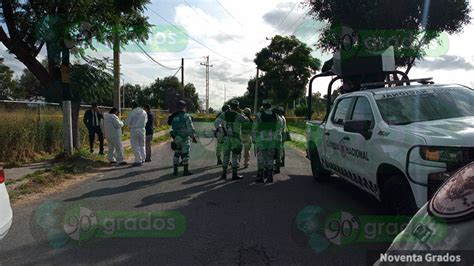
(398,143)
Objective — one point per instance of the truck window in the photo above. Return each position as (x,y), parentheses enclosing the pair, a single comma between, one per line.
(426,105)
(363,111)
(342,109)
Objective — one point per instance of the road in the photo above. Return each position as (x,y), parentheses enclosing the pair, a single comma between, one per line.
(226,222)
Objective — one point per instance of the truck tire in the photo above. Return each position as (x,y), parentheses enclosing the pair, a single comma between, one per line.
(398,197)
(316,167)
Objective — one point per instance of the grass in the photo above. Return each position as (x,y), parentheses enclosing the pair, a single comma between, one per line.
(298,145)
(29,135)
(62,170)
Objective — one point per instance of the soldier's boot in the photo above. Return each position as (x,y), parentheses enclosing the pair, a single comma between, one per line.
(235,176)
(224,173)
(175,170)
(260,177)
(269,176)
(186,171)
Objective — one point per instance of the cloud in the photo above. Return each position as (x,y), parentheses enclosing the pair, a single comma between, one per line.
(224,37)
(274,17)
(447,62)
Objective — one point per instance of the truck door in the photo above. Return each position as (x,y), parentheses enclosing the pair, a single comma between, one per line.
(333,137)
(357,148)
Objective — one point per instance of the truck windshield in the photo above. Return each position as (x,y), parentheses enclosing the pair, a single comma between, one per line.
(406,107)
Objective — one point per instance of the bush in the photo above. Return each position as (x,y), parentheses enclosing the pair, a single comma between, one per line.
(301,111)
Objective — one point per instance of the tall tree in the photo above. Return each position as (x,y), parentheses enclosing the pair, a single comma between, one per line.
(383,23)
(288,65)
(60,25)
(7,83)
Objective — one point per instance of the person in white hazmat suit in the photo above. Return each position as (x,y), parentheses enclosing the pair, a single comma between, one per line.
(136,121)
(113,133)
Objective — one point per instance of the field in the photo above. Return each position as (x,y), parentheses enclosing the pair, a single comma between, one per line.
(35,133)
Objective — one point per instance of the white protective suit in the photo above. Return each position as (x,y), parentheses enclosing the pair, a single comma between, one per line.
(113,132)
(136,121)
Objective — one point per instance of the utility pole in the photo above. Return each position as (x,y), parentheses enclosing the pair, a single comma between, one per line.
(182,72)
(116,48)
(208,66)
(225,93)
(66,103)
(255,106)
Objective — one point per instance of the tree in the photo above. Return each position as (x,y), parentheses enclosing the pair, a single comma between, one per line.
(29,87)
(384,23)
(61,25)
(91,84)
(164,93)
(7,83)
(88,83)
(288,65)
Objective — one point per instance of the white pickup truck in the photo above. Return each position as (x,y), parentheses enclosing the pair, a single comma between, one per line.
(398,143)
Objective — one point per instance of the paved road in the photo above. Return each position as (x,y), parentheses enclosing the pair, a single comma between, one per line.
(227,222)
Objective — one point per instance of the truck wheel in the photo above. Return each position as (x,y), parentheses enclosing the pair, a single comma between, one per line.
(398,197)
(318,171)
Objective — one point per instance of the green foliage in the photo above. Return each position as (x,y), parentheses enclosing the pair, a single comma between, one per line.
(164,93)
(91,84)
(288,65)
(301,111)
(7,83)
(24,136)
(388,19)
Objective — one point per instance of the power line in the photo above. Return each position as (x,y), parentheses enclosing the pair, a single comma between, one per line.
(293,24)
(194,39)
(284,19)
(209,22)
(153,60)
(228,12)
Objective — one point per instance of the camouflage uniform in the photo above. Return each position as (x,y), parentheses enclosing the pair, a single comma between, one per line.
(183,130)
(247,136)
(220,140)
(231,121)
(281,134)
(266,133)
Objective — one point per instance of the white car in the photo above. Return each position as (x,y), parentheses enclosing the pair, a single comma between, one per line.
(6,213)
(398,144)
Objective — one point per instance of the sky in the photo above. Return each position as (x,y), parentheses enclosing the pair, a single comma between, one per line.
(231,32)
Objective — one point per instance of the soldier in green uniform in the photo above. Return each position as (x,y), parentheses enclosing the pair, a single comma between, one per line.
(231,122)
(247,136)
(182,132)
(219,137)
(265,130)
(280,145)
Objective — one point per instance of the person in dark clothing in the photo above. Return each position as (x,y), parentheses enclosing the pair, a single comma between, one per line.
(92,119)
(150,129)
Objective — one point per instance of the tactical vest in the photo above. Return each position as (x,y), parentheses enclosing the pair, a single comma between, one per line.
(268,121)
(178,124)
(229,118)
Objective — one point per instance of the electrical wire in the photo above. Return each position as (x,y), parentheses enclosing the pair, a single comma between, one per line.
(209,22)
(228,12)
(284,19)
(153,60)
(194,39)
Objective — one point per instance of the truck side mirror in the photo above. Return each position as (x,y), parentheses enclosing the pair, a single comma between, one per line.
(358,126)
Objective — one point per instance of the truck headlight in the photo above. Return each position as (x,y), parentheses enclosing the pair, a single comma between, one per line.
(439,154)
